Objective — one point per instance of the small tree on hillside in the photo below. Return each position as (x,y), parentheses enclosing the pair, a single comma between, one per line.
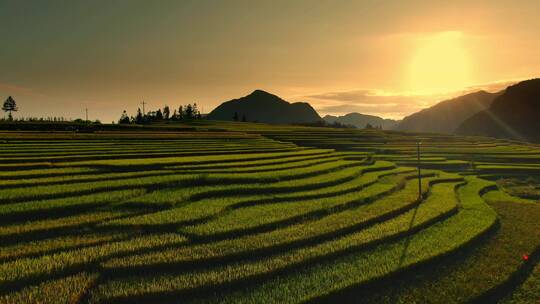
(139,119)
(244,118)
(180,113)
(195,110)
(235,117)
(124,118)
(159,115)
(10,106)
(189,111)
(166,112)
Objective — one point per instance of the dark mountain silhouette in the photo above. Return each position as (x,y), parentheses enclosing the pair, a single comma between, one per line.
(515,114)
(446,116)
(262,106)
(361,120)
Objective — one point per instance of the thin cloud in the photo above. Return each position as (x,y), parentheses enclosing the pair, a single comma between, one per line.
(376,97)
(391,104)
(358,95)
(11,89)
(387,111)
(373,102)
(495,86)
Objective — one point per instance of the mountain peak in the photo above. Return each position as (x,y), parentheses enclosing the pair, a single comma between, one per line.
(262,97)
(447,115)
(514,114)
(259,91)
(361,120)
(262,106)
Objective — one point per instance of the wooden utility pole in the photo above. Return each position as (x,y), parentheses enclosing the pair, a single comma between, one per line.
(86,114)
(419,172)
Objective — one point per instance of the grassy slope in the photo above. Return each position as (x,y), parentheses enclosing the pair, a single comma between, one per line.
(146,288)
(49,236)
(529,292)
(491,264)
(326,279)
(70,289)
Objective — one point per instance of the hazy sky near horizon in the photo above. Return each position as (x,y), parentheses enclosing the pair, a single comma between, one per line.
(388,58)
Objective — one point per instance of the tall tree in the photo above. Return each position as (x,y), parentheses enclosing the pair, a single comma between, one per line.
(124,118)
(139,119)
(195,110)
(189,111)
(180,113)
(10,106)
(159,115)
(166,112)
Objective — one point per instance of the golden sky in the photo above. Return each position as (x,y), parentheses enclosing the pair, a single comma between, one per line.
(388,58)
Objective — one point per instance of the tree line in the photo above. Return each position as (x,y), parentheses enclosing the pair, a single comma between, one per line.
(236,117)
(185,112)
(10,105)
(370,126)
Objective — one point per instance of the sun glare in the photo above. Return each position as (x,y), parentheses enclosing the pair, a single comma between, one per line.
(441,63)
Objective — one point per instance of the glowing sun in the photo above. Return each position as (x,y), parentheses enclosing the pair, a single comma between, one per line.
(441,63)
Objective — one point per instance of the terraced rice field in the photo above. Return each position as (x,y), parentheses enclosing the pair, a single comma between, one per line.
(266,214)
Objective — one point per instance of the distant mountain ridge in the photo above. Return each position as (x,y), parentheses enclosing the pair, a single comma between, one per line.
(261,106)
(361,120)
(514,114)
(446,116)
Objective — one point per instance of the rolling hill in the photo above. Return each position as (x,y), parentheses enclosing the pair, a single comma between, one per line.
(361,120)
(446,116)
(514,114)
(261,106)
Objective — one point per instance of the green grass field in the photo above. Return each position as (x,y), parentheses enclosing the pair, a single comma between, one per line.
(225,212)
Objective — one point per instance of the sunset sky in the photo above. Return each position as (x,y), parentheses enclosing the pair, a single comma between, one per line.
(388,58)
